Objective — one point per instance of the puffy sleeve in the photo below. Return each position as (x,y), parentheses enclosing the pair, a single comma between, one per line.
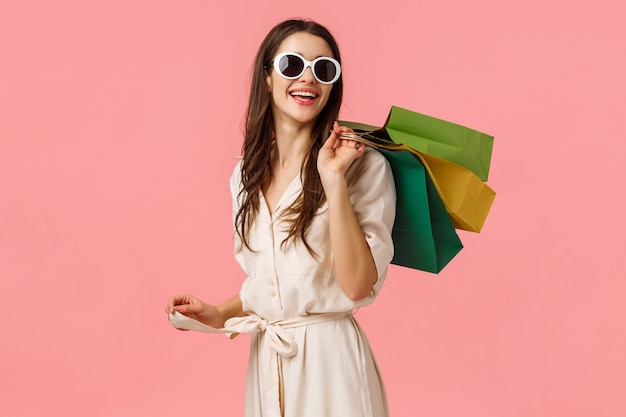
(373,196)
(235,187)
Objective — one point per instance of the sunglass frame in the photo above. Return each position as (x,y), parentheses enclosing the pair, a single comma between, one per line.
(307,64)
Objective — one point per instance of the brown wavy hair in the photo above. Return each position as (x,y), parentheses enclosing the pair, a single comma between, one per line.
(259,128)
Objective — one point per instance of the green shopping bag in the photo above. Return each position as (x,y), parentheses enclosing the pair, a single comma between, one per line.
(450,141)
(423,234)
(466,198)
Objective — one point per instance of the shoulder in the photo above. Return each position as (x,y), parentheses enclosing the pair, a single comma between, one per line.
(235,176)
(371,165)
(373,158)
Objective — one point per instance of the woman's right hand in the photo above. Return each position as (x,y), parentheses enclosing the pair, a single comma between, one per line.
(196,309)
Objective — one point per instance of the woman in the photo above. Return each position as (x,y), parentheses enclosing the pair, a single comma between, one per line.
(313,215)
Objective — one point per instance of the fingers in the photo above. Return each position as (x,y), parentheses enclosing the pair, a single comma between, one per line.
(338,130)
(172,302)
(331,141)
(181,303)
(351,144)
(337,154)
(185,309)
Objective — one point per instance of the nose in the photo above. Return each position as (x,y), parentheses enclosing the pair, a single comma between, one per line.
(308,76)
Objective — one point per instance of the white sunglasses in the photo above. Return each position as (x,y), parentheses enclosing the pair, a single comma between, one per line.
(291,65)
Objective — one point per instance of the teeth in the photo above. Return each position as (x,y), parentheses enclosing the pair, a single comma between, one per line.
(303,94)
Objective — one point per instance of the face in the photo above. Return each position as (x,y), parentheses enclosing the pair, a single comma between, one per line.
(302,99)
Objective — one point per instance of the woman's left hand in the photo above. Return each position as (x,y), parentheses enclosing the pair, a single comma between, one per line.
(336,156)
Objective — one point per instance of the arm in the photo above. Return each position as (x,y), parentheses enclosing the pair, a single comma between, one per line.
(354,265)
(214,316)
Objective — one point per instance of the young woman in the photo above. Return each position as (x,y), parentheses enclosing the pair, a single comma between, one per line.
(313,215)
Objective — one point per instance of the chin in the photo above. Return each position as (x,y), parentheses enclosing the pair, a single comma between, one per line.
(306,117)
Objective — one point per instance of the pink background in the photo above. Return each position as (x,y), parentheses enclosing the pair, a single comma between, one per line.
(120,122)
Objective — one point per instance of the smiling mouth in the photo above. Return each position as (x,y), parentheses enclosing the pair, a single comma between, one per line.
(303,94)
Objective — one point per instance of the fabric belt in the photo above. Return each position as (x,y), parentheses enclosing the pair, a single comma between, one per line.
(279,341)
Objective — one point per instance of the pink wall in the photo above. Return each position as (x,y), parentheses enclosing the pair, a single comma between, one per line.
(119,127)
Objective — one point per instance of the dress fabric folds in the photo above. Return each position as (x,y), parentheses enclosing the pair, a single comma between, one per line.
(309,356)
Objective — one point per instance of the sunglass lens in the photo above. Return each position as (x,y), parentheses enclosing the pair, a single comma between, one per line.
(325,70)
(290,65)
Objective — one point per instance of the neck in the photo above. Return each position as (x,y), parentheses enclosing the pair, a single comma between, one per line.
(292,144)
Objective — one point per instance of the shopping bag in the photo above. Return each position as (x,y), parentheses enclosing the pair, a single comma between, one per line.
(450,141)
(423,235)
(466,198)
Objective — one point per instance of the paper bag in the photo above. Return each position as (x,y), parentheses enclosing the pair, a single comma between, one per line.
(423,234)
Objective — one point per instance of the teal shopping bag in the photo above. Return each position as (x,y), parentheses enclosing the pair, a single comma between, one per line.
(423,235)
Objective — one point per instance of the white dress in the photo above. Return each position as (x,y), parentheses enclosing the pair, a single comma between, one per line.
(309,357)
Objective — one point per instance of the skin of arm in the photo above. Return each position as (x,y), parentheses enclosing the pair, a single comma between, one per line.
(354,265)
